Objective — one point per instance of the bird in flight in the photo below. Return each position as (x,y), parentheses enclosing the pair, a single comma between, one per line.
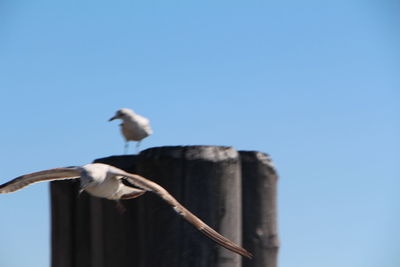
(133,127)
(105,181)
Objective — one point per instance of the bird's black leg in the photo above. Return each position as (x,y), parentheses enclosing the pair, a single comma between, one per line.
(120,207)
(137,147)
(126,147)
(80,192)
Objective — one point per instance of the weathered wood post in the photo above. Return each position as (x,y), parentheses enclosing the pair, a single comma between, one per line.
(88,231)
(260,233)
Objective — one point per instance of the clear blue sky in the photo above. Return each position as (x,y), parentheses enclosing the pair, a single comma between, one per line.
(315,84)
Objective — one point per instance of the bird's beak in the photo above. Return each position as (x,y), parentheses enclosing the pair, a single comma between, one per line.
(113,118)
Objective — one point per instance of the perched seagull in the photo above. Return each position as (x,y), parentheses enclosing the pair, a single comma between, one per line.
(133,127)
(105,181)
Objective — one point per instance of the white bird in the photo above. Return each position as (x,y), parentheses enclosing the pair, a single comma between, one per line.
(133,127)
(105,181)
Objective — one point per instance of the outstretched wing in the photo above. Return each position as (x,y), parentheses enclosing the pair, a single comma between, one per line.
(48,175)
(148,185)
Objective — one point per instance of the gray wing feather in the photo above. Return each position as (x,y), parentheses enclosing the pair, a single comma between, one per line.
(148,185)
(47,175)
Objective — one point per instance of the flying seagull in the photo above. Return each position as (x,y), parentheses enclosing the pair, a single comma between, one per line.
(105,181)
(133,127)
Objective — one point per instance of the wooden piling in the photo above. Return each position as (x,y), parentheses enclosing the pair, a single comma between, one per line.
(88,231)
(260,233)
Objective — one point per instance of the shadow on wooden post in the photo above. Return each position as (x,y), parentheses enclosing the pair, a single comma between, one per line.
(90,232)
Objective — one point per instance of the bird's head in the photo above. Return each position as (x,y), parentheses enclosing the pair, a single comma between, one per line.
(93,173)
(122,114)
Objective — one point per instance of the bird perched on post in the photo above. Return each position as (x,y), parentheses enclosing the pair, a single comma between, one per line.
(133,127)
(105,181)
